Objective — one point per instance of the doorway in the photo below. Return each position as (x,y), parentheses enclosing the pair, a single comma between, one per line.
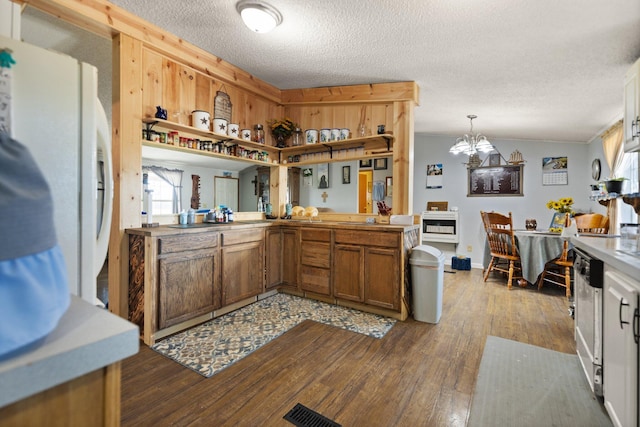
(365,184)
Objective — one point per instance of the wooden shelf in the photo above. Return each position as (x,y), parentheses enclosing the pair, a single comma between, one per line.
(165,124)
(368,147)
(382,143)
(172,153)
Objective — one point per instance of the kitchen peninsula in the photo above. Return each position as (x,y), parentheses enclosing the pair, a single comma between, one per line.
(182,276)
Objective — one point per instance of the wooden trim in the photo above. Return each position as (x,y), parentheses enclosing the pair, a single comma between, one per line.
(108,20)
(112,387)
(378,92)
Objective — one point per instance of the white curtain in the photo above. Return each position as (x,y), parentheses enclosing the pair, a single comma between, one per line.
(172,177)
(613,154)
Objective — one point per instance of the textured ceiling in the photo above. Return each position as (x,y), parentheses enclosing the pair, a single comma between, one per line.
(543,70)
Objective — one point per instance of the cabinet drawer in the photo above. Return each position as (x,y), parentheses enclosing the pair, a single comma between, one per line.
(315,280)
(187,242)
(316,254)
(242,236)
(316,235)
(368,238)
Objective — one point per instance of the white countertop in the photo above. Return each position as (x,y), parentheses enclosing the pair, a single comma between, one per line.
(86,338)
(621,254)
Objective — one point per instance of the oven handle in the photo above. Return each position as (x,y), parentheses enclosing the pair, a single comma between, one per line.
(622,322)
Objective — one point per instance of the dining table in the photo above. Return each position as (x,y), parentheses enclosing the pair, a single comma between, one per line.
(536,248)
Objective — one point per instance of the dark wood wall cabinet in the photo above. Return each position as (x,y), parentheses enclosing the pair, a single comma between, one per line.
(182,277)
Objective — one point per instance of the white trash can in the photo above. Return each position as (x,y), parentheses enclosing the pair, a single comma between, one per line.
(427,271)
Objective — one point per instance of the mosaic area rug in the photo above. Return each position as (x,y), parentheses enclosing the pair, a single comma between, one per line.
(212,346)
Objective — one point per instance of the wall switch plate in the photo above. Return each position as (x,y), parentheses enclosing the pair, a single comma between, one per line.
(469,248)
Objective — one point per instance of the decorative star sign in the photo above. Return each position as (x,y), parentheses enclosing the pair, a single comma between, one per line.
(222,126)
(204,121)
(234,130)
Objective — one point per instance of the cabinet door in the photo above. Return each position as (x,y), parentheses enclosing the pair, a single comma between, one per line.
(274,257)
(348,272)
(632,108)
(382,277)
(242,271)
(620,351)
(290,257)
(186,287)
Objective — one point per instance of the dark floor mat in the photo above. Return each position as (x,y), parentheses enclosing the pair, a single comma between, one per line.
(301,416)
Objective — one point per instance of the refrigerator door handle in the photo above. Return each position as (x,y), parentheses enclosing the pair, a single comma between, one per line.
(104,144)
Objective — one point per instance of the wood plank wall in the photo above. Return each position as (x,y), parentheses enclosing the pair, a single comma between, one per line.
(153,67)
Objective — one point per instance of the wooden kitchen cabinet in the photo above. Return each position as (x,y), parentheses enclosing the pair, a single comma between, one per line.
(367,268)
(282,257)
(348,282)
(188,284)
(242,263)
(315,261)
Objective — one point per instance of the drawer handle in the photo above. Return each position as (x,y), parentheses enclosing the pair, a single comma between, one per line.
(636,325)
(622,322)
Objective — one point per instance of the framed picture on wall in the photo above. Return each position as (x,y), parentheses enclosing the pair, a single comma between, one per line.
(323,175)
(346,174)
(494,159)
(380,164)
(365,163)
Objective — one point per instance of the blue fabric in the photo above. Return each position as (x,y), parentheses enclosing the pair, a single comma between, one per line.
(33,297)
(378,191)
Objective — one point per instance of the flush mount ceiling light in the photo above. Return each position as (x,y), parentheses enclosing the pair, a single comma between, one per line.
(259,16)
(471,143)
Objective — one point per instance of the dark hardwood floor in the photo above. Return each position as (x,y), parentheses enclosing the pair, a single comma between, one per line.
(419,374)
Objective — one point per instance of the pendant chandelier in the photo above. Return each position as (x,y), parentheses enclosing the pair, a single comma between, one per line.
(471,143)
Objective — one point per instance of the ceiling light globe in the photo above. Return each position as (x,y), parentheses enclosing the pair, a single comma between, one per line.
(258,16)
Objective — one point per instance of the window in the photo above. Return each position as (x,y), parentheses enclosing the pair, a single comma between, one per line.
(166,186)
(162,195)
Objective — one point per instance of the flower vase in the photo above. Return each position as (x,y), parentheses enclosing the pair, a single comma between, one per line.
(281,141)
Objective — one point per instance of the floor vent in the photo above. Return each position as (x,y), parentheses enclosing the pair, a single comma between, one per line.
(301,416)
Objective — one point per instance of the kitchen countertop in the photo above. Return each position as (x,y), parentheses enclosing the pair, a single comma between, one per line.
(86,338)
(173,229)
(614,251)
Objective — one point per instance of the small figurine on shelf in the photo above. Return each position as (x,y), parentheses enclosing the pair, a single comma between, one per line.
(161,113)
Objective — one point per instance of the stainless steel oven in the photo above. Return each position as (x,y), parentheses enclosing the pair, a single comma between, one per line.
(588,282)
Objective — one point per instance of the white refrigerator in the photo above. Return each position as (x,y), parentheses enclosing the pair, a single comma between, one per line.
(55,111)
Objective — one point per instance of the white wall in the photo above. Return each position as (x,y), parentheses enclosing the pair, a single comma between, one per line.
(340,197)
(431,149)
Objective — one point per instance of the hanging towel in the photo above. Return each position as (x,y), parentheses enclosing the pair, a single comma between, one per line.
(34,293)
(378,191)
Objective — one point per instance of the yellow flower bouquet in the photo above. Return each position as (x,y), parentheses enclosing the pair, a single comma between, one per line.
(562,207)
(283,127)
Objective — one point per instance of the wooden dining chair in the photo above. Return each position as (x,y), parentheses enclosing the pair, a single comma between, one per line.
(502,244)
(592,223)
(559,271)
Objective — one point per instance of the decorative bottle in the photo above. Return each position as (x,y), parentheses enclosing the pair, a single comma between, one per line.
(258,134)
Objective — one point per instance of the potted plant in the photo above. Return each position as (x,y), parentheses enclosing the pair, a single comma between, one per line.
(614,185)
(281,130)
